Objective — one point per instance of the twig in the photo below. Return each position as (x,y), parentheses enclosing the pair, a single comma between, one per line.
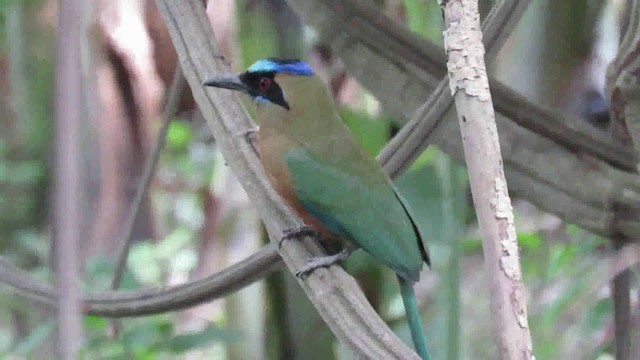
(68,184)
(120,303)
(607,335)
(125,240)
(621,296)
(621,262)
(470,87)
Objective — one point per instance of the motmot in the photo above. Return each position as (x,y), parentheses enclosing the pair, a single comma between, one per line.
(317,166)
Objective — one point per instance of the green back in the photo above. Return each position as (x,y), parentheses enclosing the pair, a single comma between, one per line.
(339,184)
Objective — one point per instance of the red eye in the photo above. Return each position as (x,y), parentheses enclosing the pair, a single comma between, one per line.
(264,84)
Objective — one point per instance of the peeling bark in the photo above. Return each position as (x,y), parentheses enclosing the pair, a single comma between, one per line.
(470,88)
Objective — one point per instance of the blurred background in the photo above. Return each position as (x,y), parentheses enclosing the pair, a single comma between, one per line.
(197,220)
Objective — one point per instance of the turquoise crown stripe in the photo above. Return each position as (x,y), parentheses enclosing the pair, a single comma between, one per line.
(289,67)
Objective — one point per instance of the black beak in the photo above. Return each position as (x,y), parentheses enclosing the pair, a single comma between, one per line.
(230,82)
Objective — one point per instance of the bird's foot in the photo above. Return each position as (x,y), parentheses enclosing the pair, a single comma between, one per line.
(324,261)
(297,233)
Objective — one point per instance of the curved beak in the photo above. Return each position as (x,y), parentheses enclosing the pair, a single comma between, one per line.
(231,82)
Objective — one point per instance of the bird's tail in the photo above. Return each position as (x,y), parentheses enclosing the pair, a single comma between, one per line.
(413,317)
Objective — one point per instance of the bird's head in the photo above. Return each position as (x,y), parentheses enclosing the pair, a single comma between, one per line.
(259,81)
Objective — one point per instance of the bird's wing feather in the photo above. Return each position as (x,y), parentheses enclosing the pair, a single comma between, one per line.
(423,247)
(372,217)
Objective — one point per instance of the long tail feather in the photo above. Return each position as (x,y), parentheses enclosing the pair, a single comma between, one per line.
(413,317)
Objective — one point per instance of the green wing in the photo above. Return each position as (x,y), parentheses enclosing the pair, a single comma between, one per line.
(372,216)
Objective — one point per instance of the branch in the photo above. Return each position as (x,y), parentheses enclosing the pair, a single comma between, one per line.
(335,295)
(618,265)
(621,296)
(407,69)
(623,87)
(117,304)
(470,88)
(67,221)
(125,239)
(407,145)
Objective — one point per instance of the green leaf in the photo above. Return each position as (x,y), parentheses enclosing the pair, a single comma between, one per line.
(530,242)
(424,18)
(173,243)
(256,32)
(373,133)
(95,323)
(143,263)
(426,158)
(211,334)
(179,135)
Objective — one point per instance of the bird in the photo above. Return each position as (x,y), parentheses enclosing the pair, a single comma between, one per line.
(321,171)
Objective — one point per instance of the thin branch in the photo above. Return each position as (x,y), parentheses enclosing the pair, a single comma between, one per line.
(621,296)
(125,240)
(607,335)
(622,260)
(257,266)
(618,265)
(470,87)
(68,184)
(118,304)
(408,68)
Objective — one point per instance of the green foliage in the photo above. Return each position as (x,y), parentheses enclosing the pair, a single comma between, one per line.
(150,263)
(372,133)
(562,271)
(150,338)
(17,179)
(179,136)
(529,241)
(424,18)
(38,336)
(256,32)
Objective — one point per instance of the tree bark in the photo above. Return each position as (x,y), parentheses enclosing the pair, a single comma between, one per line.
(68,187)
(470,88)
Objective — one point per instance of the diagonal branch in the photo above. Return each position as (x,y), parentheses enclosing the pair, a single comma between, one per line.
(335,295)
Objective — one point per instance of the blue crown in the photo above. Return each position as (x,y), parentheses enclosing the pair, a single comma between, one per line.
(278,66)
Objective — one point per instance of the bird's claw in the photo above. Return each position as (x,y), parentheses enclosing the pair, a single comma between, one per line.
(250,134)
(321,261)
(297,233)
